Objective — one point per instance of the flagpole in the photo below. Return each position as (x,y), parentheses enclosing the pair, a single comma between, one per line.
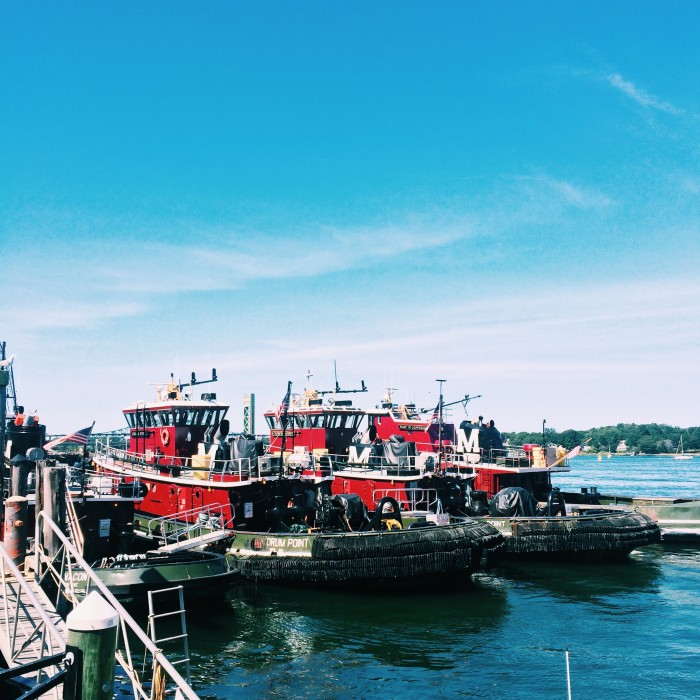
(441,381)
(285,410)
(85,446)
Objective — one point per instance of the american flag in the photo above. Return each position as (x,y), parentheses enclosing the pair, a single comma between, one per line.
(80,437)
(569,455)
(435,418)
(284,406)
(574,453)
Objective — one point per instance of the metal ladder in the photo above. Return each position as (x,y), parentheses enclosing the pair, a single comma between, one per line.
(153,617)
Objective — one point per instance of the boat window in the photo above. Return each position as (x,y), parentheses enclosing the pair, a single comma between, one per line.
(298,420)
(313,421)
(192,417)
(270,421)
(130,420)
(332,420)
(354,421)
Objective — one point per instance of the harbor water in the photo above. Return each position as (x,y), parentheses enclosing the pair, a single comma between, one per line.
(632,629)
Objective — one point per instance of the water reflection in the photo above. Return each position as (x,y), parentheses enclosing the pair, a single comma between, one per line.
(266,625)
(636,619)
(638,573)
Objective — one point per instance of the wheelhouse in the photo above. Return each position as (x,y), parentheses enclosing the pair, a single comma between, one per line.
(321,427)
(173,425)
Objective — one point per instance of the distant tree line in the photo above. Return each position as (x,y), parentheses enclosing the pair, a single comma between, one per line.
(650,438)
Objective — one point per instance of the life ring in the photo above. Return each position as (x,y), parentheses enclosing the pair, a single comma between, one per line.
(164,436)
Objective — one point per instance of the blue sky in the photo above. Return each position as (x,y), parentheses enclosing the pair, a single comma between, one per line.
(502,195)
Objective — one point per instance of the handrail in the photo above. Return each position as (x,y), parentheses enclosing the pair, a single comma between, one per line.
(427,498)
(127,624)
(242,469)
(74,523)
(183,517)
(47,638)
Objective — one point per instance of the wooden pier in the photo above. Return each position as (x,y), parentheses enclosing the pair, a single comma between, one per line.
(31,631)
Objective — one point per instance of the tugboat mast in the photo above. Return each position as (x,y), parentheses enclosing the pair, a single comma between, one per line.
(441,381)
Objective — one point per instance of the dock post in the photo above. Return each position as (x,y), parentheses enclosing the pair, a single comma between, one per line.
(18,476)
(15,530)
(92,638)
(53,486)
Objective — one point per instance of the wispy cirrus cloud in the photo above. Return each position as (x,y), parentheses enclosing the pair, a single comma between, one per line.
(575,195)
(237,260)
(640,96)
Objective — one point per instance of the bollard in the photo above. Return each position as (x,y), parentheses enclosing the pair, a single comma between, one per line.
(19,474)
(53,486)
(92,638)
(15,531)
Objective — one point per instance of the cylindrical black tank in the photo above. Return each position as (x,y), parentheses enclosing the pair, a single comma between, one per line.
(20,438)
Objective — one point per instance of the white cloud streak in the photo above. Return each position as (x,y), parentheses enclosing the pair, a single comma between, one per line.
(641,97)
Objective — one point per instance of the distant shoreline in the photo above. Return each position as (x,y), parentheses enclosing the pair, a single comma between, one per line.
(638,454)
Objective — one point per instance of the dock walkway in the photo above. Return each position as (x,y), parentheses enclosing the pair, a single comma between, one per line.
(30,627)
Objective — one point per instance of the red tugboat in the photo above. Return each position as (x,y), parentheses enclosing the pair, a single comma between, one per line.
(393,450)
(428,465)
(283,521)
(180,450)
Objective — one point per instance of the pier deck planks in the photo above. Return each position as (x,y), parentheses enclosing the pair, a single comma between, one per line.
(27,621)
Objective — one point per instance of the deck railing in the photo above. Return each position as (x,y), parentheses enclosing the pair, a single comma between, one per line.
(361,458)
(27,632)
(188,523)
(411,500)
(60,568)
(202,467)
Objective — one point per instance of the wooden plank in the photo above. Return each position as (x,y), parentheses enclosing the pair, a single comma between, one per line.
(23,624)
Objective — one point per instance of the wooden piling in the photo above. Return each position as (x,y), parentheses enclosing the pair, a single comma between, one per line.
(19,474)
(53,487)
(15,529)
(92,638)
